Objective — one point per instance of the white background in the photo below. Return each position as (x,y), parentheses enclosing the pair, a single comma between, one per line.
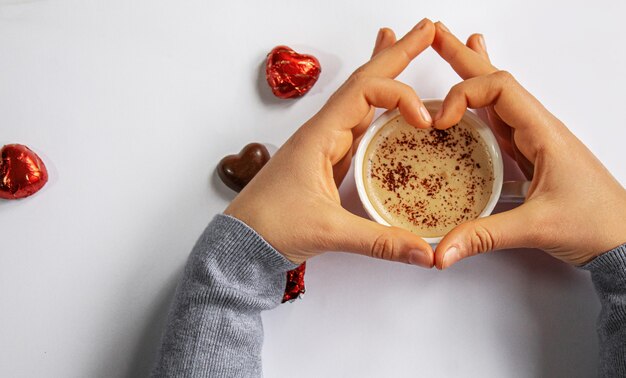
(132,103)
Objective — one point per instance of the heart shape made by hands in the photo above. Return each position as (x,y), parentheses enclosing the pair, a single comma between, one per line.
(236,171)
(290,74)
(22,172)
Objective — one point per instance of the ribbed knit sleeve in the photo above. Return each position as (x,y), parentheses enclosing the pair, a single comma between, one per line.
(608,272)
(214,327)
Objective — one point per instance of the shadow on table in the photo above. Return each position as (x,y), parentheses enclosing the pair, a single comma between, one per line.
(564,319)
(145,351)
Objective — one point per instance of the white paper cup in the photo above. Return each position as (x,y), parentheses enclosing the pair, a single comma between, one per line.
(513,192)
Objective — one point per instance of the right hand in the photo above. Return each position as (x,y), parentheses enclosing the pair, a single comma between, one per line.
(575,210)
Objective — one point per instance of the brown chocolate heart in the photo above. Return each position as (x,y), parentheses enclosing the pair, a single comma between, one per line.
(236,171)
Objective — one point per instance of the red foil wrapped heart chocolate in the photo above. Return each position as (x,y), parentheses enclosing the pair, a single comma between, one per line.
(295,283)
(236,171)
(22,172)
(290,74)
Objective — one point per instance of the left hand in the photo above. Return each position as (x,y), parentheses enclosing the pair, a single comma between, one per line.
(293,202)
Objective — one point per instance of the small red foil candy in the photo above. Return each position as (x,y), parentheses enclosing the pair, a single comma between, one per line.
(290,74)
(22,173)
(295,283)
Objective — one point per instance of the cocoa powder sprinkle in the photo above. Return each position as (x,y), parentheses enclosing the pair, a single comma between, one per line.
(429,180)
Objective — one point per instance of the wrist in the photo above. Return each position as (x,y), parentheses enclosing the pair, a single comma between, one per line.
(612,261)
(263,227)
(610,232)
(232,243)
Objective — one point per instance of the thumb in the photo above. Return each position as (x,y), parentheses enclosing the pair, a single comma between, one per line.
(511,229)
(362,236)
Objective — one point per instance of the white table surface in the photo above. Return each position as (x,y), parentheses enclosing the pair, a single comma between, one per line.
(132,103)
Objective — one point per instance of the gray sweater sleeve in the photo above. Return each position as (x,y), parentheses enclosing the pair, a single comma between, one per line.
(214,327)
(608,272)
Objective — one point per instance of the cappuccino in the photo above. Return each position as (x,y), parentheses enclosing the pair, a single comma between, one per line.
(427,180)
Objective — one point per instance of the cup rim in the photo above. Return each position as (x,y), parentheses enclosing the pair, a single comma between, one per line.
(472,119)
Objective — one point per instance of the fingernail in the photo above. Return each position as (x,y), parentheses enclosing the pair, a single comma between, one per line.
(425,114)
(439,114)
(481,40)
(443,27)
(420,258)
(451,256)
(420,25)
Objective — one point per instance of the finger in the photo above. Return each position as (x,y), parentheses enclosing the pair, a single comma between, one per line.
(473,93)
(393,60)
(512,103)
(512,229)
(346,109)
(386,37)
(465,61)
(476,42)
(503,132)
(362,236)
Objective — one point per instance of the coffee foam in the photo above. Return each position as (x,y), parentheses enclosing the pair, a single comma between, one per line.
(427,180)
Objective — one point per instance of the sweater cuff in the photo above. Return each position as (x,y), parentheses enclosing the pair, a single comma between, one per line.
(239,251)
(612,262)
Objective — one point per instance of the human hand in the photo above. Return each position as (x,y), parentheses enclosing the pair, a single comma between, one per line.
(574,210)
(293,202)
